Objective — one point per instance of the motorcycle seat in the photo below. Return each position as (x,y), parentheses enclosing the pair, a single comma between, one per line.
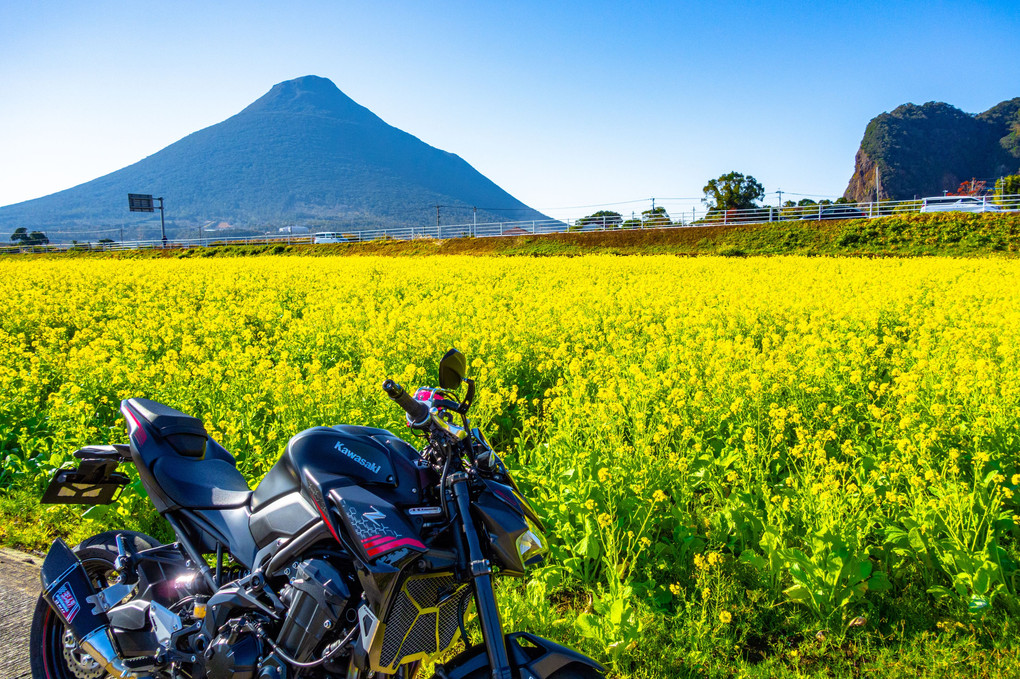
(212,483)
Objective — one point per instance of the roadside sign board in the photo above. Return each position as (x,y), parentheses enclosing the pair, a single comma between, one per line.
(140,202)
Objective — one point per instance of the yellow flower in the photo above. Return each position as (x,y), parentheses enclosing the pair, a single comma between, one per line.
(675,589)
(605,520)
(604,475)
(725,617)
(659,496)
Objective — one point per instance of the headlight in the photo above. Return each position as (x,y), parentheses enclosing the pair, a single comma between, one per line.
(531,546)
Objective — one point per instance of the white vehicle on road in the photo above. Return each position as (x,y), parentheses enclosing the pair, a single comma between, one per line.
(328,237)
(958,204)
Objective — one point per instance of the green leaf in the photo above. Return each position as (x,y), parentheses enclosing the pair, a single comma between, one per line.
(756,560)
(916,541)
(981,581)
(587,626)
(616,612)
(879,582)
(97,512)
(798,593)
(589,546)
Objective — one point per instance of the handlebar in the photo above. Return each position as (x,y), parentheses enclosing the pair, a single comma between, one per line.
(417,411)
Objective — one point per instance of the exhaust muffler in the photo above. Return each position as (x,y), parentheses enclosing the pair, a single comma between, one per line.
(69,592)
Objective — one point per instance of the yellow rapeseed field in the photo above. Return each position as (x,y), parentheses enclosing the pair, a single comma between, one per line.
(723,449)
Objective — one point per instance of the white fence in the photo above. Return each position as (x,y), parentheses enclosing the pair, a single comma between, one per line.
(708,218)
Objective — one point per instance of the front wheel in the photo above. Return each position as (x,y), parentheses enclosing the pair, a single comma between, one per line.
(55,654)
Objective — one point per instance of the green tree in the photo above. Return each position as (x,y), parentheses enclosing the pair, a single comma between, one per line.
(606,218)
(23,237)
(1007,186)
(733,191)
(655,217)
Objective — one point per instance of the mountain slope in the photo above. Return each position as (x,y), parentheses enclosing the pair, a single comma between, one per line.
(304,153)
(924,150)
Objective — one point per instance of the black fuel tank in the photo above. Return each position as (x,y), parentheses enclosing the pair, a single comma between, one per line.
(367,456)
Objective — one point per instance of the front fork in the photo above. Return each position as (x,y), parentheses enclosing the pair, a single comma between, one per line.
(481,575)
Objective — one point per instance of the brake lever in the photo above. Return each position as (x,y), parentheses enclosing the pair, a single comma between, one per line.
(458,433)
(468,398)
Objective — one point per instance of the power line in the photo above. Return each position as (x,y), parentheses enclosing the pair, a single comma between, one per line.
(811,195)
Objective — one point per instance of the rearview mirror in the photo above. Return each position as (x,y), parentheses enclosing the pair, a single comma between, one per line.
(452,369)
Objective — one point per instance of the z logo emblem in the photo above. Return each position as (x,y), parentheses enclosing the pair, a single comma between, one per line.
(374,516)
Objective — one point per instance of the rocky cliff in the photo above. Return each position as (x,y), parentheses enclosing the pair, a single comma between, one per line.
(925,150)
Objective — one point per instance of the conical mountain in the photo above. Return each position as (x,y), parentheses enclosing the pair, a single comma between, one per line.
(304,153)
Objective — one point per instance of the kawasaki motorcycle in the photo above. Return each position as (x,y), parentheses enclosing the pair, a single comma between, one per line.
(356,556)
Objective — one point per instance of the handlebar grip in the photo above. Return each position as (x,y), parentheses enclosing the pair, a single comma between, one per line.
(415,409)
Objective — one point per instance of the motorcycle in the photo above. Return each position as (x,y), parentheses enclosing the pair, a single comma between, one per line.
(356,556)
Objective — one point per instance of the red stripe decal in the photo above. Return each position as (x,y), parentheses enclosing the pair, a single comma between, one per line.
(376,540)
(390,546)
(329,524)
(138,431)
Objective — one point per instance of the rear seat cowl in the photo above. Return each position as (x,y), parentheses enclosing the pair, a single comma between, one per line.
(186,434)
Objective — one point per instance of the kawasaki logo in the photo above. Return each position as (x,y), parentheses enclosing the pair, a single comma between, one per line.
(370,466)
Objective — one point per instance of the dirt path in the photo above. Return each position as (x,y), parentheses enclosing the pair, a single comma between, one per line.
(19,589)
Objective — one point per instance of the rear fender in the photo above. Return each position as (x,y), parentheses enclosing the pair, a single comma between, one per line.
(531,657)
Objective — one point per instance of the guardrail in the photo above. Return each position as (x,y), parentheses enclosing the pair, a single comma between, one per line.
(709,218)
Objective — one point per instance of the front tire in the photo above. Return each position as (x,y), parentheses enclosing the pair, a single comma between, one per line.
(51,644)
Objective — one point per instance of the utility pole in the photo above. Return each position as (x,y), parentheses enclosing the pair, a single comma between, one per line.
(162,224)
(780,192)
(474,222)
(437,215)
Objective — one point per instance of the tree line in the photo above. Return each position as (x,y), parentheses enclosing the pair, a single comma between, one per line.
(731,191)
(22,236)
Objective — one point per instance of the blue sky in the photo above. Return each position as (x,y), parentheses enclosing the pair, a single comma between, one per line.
(562,104)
